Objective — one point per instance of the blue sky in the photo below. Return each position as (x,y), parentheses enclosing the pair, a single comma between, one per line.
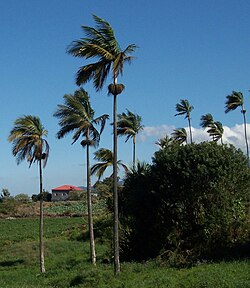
(195,50)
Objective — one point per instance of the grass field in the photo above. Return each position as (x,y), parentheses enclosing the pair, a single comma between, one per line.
(67,262)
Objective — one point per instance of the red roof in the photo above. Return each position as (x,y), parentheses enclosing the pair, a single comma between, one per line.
(67,187)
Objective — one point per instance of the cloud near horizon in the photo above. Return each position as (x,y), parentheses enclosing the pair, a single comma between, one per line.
(232,135)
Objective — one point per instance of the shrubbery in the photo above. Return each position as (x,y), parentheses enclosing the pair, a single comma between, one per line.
(190,204)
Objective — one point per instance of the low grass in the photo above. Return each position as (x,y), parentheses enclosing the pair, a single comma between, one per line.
(67,262)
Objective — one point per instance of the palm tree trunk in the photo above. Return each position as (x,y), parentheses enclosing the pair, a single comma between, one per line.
(117,267)
(189,125)
(90,217)
(41,244)
(134,147)
(245,130)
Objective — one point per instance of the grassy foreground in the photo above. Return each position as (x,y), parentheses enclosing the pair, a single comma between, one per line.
(67,263)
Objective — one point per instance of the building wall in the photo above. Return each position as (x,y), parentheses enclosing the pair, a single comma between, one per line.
(60,195)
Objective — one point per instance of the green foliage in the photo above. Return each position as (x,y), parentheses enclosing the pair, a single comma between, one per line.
(22,198)
(8,205)
(46,197)
(105,191)
(192,204)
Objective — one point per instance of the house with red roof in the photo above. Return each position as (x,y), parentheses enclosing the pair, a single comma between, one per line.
(61,193)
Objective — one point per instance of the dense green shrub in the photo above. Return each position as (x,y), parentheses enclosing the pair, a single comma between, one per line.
(8,206)
(191,204)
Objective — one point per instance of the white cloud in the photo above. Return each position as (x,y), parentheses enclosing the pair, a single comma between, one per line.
(233,135)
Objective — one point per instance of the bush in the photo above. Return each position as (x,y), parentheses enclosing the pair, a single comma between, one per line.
(23,198)
(191,203)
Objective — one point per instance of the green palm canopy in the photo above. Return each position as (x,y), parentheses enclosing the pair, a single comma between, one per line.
(77,116)
(164,142)
(216,131)
(100,43)
(105,158)
(179,135)
(27,137)
(207,120)
(214,128)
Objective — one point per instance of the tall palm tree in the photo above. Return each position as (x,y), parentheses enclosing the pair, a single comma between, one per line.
(27,137)
(77,116)
(179,135)
(234,101)
(184,108)
(100,42)
(106,158)
(129,125)
(164,142)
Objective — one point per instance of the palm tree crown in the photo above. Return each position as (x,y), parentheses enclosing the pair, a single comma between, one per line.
(179,135)
(234,101)
(216,131)
(106,158)
(215,128)
(77,115)
(100,43)
(207,120)
(28,142)
(164,142)
(129,125)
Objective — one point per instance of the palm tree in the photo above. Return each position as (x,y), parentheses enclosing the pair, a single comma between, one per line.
(164,142)
(106,158)
(179,135)
(234,101)
(77,115)
(28,143)
(100,43)
(129,125)
(185,108)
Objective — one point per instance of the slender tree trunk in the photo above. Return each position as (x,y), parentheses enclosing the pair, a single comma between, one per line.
(117,267)
(90,216)
(189,124)
(134,147)
(245,130)
(41,244)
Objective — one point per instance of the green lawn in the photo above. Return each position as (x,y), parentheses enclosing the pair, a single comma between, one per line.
(67,262)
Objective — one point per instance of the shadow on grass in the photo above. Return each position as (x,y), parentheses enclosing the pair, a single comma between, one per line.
(11,263)
(76,281)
